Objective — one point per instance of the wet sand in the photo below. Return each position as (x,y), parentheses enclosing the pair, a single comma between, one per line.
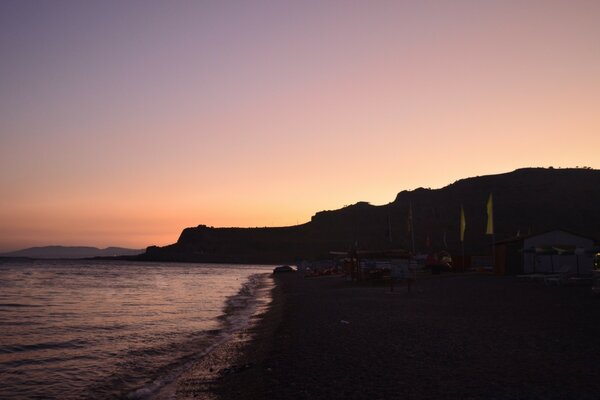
(453,336)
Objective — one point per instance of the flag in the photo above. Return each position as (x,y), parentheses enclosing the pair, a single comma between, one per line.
(490,216)
(463,224)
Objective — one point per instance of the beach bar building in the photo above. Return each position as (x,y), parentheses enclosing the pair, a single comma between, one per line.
(552,252)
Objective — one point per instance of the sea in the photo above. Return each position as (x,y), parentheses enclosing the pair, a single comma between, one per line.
(73,329)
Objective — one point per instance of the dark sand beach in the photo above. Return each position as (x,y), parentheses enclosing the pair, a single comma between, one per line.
(452,336)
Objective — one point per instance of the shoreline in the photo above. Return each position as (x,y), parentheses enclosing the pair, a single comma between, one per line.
(453,336)
(219,372)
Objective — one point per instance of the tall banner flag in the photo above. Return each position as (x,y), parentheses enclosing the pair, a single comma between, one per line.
(490,216)
(463,224)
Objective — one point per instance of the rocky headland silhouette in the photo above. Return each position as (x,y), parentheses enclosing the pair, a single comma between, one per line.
(526,201)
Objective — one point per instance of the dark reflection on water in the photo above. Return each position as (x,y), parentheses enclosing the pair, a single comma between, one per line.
(92,329)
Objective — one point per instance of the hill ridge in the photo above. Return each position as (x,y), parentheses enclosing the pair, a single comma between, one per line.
(60,251)
(529,200)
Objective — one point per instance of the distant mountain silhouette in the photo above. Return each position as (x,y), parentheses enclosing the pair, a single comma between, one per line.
(71,252)
(529,200)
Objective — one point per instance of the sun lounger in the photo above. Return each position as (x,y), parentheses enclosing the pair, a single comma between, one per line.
(558,279)
(531,277)
(552,280)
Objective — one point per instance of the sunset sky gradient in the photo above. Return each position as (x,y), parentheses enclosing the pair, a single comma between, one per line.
(123,122)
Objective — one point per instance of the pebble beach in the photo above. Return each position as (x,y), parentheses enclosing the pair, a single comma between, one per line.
(454,336)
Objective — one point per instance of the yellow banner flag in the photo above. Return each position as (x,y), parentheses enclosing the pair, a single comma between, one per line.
(490,214)
(463,224)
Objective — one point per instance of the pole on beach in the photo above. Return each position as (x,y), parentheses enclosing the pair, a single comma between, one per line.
(410,226)
(390,226)
(463,228)
(493,252)
(490,227)
(463,255)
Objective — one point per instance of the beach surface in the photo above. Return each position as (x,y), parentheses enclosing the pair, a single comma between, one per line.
(452,336)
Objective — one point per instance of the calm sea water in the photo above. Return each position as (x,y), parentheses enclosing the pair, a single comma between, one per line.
(105,329)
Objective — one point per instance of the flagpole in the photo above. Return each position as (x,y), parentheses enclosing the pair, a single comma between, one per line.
(463,255)
(411,226)
(389,226)
(463,227)
(412,232)
(493,251)
(490,228)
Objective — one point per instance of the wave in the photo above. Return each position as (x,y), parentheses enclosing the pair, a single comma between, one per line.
(253,295)
(18,305)
(43,346)
(62,339)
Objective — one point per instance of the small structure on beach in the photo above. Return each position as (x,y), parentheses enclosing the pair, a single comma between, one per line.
(362,265)
(552,252)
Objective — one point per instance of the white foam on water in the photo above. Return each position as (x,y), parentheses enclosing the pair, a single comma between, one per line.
(252,298)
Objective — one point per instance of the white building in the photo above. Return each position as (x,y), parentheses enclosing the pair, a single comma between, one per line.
(552,252)
(558,251)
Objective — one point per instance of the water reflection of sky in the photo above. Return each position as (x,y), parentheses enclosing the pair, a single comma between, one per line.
(77,323)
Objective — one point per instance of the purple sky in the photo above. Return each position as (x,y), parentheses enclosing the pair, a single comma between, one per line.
(122,122)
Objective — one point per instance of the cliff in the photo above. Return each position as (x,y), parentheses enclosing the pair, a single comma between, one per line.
(529,200)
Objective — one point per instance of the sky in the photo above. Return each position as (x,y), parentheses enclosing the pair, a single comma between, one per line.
(123,122)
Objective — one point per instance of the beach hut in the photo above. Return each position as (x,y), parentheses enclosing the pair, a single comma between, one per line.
(552,252)
(508,259)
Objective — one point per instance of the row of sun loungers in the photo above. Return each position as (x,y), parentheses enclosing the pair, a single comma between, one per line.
(561,279)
